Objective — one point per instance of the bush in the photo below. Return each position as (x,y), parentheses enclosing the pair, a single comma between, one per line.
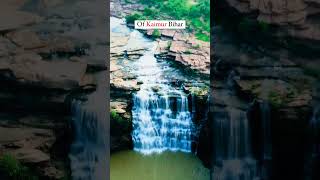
(197,46)
(275,99)
(169,44)
(118,124)
(11,167)
(263,26)
(156,33)
(203,37)
(131,18)
(148,12)
(188,51)
(312,71)
(197,15)
(115,116)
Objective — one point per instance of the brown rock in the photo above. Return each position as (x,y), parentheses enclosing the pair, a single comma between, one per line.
(32,156)
(12,20)
(29,68)
(25,39)
(168,33)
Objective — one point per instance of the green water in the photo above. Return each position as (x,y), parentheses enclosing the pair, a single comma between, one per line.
(130,165)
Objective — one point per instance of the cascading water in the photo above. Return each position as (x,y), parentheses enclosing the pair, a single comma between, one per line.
(233,159)
(89,148)
(162,113)
(313,156)
(161,124)
(265,117)
(232,148)
(267,144)
(161,117)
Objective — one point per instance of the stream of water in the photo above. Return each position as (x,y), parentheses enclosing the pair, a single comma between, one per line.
(88,158)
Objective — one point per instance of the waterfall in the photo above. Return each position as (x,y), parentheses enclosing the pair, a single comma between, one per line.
(312,159)
(89,148)
(233,157)
(315,127)
(161,122)
(266,138)
(265,117)
(161,116)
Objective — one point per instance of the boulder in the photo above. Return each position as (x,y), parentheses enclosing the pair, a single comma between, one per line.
(12,20)
(128,85)
(30,156)
(26,39)
(29,68)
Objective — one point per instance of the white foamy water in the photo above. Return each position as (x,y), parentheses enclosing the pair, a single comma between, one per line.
(161,117)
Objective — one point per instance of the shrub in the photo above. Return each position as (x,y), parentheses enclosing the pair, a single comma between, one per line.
(275,99)
(169,44)
(148,12)
(10,166)
(197,46)
(312,71)
(264,27)
(202,37)
(115,116)
(131,18)
(198,15)
(156,33)
(188,51)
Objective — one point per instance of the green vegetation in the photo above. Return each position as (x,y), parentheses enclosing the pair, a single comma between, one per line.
(312,71)
(116,117)
(197,14)
(188,51)
(156,33)
(275,99)
(12,168)
(263,26)
(131,18)
(247,26)
(169,44)
(203,37)
(119,124)
(197,46)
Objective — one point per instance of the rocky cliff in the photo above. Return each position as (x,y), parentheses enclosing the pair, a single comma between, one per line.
(298,18)
(46,59)
(258,61)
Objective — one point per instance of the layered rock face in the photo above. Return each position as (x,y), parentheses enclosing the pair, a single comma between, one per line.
(46,59)
(246,79)
(297,18)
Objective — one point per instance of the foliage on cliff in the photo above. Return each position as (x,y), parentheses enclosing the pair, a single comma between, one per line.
(11,167)
(196,13)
